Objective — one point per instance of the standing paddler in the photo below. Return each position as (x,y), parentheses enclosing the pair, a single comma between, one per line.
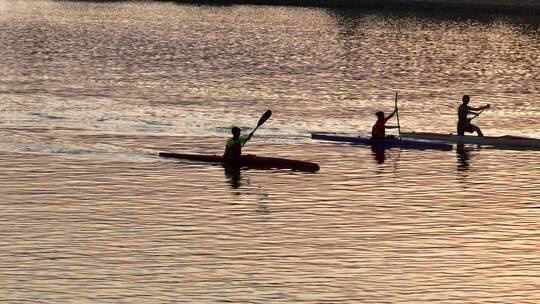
(464,123)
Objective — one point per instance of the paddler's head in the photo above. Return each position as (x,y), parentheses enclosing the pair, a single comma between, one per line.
(380,115)
(235,132)
(466,99)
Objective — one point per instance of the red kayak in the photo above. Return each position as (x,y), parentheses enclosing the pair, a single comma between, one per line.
(250,161)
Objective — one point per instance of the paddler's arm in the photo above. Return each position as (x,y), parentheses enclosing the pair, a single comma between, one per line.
(477,109)
(245,139)
(391,115)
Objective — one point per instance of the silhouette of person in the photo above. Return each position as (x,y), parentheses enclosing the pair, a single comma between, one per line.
(378,130)
(464,124)
(233,147)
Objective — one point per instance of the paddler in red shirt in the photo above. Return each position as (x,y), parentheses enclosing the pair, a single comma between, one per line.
(378,130)
(233,147)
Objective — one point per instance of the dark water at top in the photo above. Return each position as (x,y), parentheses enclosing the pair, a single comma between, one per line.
(90,93)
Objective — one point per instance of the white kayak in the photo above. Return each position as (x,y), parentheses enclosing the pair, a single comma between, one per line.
(502,141)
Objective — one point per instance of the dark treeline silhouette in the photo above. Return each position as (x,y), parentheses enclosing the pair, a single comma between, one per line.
(349,20)
(469,6)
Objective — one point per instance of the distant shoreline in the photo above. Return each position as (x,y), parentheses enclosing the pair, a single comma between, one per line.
(466,6)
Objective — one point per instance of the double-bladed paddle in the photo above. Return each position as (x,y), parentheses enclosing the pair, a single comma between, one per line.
(262,120)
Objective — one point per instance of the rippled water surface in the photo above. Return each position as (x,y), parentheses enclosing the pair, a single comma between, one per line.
(91,92)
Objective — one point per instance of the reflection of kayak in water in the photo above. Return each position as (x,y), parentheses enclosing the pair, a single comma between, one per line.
(249,161)
(387,142)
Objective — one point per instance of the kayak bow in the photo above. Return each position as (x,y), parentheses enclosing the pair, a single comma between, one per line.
(249,161)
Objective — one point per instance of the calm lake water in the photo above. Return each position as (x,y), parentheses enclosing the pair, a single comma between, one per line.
(90,93)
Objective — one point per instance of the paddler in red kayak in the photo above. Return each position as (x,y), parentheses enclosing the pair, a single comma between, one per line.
(464,124)
(233,147)
(379,128)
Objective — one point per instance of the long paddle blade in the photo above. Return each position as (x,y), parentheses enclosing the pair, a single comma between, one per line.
(264,118)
